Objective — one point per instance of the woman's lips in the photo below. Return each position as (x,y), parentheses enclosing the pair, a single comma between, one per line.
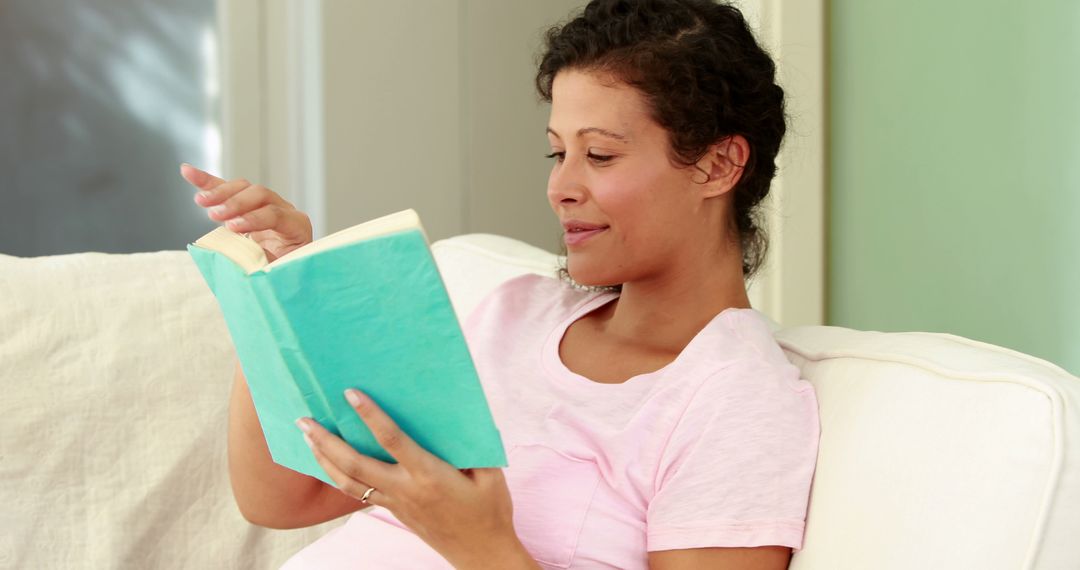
(578,237)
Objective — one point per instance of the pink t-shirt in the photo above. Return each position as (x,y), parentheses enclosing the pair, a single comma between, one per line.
(718,448)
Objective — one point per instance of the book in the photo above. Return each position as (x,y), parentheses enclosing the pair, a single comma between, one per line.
(362,308)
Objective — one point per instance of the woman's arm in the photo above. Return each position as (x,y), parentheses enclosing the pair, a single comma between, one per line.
(756,558)
(268,494)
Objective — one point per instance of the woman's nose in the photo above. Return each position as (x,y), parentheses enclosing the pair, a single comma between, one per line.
(565,185)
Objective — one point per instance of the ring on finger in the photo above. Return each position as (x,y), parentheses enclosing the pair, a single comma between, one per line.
(367,495)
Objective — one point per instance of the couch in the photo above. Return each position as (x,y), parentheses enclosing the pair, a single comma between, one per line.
(936,451)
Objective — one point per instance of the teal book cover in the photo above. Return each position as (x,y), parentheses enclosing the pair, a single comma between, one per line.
(373,315)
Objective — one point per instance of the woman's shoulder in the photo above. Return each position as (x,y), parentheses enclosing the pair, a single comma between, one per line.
(755,333)
(742,351)
(751,386)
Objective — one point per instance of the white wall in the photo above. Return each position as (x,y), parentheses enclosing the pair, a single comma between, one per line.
(428,105)
(506,171)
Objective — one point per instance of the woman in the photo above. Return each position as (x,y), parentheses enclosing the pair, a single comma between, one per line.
(650,418)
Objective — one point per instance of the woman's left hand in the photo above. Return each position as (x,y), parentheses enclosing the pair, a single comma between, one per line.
(465,515)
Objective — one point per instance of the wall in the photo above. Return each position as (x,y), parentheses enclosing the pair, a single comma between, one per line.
(955,171)
(432,107)
(392,98)
(505,170)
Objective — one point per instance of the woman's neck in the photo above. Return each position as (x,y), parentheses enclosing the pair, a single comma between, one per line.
(665,312)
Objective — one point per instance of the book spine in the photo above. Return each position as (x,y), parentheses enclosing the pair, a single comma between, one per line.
(277,398)
(292,353)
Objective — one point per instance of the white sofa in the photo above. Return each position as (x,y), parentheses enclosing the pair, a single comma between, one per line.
(936,451)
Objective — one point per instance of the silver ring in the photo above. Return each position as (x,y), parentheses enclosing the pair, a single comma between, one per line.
(366,495)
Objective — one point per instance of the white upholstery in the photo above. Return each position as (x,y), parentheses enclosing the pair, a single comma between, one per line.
(115,374)
(936,452)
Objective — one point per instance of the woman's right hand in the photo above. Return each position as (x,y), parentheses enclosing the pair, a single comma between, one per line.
(269,219)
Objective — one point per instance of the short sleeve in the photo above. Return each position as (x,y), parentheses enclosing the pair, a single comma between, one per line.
(737,468)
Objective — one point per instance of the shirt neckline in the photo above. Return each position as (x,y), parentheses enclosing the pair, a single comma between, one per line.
(558,371)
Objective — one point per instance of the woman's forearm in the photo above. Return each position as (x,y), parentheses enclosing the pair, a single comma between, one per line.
(267,493)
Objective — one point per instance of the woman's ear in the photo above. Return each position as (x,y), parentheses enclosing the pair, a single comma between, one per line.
(724,163)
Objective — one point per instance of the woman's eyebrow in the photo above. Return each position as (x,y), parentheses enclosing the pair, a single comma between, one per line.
(597,130)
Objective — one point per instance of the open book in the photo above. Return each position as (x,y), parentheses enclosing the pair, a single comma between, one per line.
(362,308)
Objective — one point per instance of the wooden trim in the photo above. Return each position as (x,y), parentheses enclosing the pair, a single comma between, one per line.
(272,99)
(306,125)
(791,286)
(240,33)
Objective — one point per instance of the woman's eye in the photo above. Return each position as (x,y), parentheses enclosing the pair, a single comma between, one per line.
(597,158)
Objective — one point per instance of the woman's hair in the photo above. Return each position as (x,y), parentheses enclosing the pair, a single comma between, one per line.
(704,77)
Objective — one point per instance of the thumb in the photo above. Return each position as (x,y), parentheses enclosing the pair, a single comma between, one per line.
(199,178)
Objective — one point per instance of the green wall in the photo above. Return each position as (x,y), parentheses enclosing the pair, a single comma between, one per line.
(954,170)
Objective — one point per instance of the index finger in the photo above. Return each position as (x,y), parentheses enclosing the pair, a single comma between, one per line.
(199,178)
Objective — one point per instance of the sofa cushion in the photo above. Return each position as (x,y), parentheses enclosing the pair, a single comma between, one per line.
(938,452)
(115,373)
(472,265)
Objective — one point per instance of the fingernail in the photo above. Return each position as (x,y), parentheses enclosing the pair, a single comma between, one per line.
(235,223)
(308,441)
(217,210)
(200,177)
(354,397)
(205,195)
(300,423)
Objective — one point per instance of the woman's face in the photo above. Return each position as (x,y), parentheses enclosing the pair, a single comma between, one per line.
(627,211)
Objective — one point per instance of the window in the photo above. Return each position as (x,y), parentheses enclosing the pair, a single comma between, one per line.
(101,101)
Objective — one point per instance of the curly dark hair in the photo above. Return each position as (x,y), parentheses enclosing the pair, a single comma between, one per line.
(704,76)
